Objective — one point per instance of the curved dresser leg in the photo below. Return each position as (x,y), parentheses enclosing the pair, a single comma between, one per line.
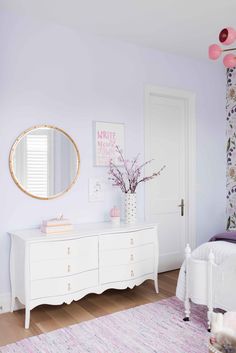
(156,285)
(27,317)
(13,301)
(12,274)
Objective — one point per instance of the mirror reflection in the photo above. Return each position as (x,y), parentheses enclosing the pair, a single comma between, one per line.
(44,162)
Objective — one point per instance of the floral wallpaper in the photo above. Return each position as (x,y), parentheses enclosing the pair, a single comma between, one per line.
(231,147)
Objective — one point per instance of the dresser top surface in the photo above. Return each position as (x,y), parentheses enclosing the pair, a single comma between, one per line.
(80,230)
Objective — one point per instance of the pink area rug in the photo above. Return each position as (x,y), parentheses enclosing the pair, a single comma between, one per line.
(151,328)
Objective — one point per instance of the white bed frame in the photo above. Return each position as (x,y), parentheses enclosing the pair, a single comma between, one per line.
(209,284)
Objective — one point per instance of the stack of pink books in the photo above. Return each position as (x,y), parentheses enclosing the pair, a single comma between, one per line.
(56,225)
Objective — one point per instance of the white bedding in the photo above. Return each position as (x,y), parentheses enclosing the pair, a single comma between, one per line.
(221,249)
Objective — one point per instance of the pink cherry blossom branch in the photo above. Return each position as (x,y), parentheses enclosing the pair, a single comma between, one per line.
(129,180)
(152,176)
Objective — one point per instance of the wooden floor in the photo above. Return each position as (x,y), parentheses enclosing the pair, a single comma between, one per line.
(46,317)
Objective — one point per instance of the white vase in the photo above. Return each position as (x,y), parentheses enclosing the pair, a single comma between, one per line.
(130,208)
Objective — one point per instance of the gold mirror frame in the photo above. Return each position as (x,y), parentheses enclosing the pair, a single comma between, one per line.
(12,152)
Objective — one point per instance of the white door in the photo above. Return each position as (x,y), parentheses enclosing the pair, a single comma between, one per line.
(170,198)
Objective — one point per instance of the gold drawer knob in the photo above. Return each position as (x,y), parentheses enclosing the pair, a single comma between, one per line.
(131,257)
(69,287)
(68,268)
(131,241)
(68,251)
(132,273)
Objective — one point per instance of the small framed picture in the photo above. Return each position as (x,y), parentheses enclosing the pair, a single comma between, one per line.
(96,190)
(107,137)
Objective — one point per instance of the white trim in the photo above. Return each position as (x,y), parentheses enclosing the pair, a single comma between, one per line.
(190,98)
(5,303)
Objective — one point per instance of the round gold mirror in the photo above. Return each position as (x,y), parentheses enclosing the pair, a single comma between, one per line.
(44,162)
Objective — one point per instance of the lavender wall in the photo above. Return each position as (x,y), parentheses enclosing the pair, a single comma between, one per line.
(52,74)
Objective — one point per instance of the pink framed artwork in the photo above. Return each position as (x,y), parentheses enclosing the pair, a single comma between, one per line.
(107,137)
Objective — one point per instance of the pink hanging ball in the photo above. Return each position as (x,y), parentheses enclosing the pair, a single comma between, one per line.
(214,51)
(227,36)
(229,60)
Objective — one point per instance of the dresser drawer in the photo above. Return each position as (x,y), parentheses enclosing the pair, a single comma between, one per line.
(64,267)
(126,256)
(62,286)
(49,250)
(127,240)
(126,272)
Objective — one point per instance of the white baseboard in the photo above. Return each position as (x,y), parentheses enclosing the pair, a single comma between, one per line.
(5,303)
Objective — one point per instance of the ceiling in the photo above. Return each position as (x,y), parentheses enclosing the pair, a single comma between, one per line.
(181,26)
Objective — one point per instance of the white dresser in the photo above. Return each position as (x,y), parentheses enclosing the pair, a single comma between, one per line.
(53,269)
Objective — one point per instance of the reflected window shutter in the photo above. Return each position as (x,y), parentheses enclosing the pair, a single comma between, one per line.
(37,164)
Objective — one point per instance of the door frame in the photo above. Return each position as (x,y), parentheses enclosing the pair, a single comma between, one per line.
(189,98)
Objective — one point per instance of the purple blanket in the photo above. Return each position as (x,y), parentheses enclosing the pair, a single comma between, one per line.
(229,236)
